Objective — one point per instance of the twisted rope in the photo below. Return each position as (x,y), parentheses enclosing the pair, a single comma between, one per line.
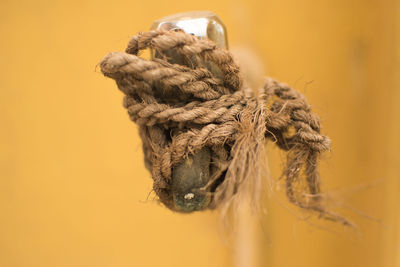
(182,108)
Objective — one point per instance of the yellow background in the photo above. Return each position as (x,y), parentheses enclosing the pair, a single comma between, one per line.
(73,187)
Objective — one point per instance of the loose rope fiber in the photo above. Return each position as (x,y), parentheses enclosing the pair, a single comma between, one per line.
(183,108)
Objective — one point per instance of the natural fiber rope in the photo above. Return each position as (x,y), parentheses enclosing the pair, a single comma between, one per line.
(182,108)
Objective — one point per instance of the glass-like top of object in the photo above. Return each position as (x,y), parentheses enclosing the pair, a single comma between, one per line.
(202,24)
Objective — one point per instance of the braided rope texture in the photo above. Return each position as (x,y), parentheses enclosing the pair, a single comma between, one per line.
(202,101)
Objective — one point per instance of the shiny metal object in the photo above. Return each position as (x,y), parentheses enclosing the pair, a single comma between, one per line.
(190,177)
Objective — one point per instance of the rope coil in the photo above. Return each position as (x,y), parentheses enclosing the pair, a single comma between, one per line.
(183,108)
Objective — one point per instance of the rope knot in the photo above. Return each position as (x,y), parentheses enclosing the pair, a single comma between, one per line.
(201,126)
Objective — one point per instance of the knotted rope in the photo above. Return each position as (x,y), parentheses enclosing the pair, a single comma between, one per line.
(182,108)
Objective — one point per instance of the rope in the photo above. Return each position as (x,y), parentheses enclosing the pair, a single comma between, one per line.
(203,103)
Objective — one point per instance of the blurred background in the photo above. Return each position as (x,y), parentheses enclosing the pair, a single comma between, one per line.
(73,187)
